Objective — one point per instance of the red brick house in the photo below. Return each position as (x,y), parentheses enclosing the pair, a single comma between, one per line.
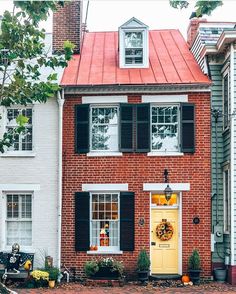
(136,121)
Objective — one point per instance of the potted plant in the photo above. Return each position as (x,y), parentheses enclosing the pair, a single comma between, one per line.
(104,268)
(143,264)
(194,268)
(53,275)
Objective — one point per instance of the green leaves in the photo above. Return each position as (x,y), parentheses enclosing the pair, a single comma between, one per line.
(22,120)
(24,59)
(203,7)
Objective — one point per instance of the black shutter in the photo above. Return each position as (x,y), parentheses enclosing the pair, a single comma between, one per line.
(82,221)
(82,128)
(188,127)
(126,127)
(143,128)
(127,221)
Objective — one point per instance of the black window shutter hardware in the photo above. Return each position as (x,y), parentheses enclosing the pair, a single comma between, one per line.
(82,221)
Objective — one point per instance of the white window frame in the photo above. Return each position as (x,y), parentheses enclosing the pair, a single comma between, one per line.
(19,219)
(104,249)
(165,152)
(144,32)
(225,119)
(20,152)
(226,199)
(102,152)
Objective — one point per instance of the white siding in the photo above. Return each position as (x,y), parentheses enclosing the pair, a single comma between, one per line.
(42,170)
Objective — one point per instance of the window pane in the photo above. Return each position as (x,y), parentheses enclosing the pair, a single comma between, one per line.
(105,230)
(165,135)
(133,39)
(27,139)
(159,199)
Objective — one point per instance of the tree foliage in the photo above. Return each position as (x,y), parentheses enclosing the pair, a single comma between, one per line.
(203,7)
(23,57)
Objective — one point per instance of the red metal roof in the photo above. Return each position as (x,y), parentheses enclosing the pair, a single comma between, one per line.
(170,62)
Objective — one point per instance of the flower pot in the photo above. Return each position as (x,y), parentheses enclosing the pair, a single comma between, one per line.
(106,273)
(143,276)
(195,276)
(51,284)
(220,274)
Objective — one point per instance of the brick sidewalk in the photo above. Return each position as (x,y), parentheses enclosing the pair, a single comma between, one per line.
(74,288)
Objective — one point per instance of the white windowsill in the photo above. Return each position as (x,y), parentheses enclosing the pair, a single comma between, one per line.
(153,153)
(18,154)
(104,252)
(98,154)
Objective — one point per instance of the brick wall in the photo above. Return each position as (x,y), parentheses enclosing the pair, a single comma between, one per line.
(192,28)
(136,169)
(67,22)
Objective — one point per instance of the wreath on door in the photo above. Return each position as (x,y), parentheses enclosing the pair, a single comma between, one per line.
(164,231)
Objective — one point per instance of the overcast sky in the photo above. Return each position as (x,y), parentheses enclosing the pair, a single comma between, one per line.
(157,14)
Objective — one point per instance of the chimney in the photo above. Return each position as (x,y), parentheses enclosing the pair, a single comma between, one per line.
(67,24)
(193,28)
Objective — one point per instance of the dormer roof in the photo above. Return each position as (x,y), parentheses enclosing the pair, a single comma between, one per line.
(134,23)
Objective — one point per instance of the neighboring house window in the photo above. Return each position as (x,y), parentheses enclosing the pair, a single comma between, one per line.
(165,128)
(19,219)
(133,48)
(105,220)
(226,201)
(226,100)
(104,129)
(24,140)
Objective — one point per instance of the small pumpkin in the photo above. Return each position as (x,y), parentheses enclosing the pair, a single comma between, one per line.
(185,279)
(27,265)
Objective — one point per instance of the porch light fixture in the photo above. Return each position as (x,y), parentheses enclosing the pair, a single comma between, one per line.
(168,191)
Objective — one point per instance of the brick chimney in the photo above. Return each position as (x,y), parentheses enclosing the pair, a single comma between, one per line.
(192,28)
(67,24)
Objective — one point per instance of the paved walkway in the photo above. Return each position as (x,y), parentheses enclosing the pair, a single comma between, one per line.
(74,288)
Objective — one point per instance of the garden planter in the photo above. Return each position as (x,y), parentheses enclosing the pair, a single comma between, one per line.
(143,276)
(195,276)
(220,274)
(51,284)
(106,273)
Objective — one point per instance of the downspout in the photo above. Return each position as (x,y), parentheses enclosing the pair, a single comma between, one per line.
(60,100)
(232,151)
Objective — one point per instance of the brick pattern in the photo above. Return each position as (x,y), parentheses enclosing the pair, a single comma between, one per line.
(67,24)
(136,169)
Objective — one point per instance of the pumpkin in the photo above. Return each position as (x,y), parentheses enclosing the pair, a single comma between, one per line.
(185,279)
(27,265)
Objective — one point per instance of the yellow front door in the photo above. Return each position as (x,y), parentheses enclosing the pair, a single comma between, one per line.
(164,253)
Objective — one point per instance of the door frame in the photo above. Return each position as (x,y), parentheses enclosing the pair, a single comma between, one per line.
(179,208)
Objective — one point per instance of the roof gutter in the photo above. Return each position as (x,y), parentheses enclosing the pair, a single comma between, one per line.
(136,89)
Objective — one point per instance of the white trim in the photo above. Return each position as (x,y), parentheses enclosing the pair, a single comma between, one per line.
(164,98)
(103,153)
(20,187)
(104,99)
(232,159)
(18,154)
(161,186)
(104,252)
(156,153)
(104,187)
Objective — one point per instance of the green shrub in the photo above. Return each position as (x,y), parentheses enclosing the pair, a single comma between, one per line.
(194,260)
(143,261)
(91,267)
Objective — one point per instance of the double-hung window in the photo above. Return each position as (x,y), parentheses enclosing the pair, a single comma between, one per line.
(133,48)
(104,128)
(19,218)
(105,221)
(24,140)
(165,128)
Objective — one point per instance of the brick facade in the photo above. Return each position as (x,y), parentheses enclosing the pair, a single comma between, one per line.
(67,24)
(136,169)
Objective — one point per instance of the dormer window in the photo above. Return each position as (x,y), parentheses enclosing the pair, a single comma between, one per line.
(133,44)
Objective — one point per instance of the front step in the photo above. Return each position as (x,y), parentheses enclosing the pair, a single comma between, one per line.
(165,277)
